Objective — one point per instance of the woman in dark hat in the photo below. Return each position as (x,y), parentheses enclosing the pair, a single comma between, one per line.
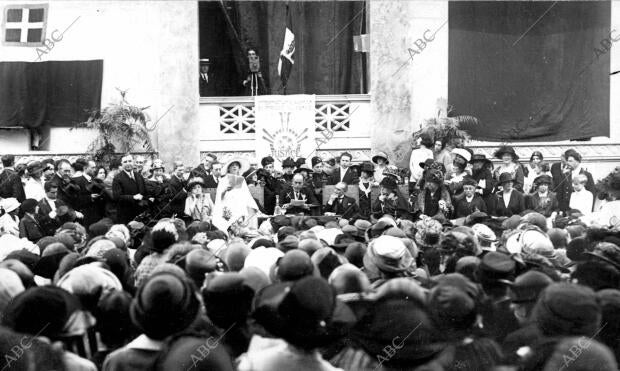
(157,187)
(390,200)
(542,201)
(509,164)
(381,161)
(434,199)
(509,201)
(319,178)
(365,185)
(482,172)
(288,166)
(198,205)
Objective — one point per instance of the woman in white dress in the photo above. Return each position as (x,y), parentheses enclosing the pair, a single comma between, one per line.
(234,205)
(198,205)
(532,170)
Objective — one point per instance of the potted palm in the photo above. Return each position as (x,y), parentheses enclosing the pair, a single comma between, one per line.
(121,127)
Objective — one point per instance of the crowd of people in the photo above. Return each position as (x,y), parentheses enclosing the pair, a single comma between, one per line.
(455,263)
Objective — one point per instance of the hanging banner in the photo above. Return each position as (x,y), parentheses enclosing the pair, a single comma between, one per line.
(284,126)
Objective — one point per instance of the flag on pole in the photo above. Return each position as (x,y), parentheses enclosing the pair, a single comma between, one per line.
(285,64)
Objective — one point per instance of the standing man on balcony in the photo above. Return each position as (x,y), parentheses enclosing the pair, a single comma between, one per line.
(204,170)
(208,86)
(344,173)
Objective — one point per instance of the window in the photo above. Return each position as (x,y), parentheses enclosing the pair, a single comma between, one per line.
(24,25)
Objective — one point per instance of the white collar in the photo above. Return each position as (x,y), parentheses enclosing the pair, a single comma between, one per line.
(145,343)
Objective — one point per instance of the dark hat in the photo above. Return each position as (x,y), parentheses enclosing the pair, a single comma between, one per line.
(379,155)
(195,181)
(572,153)
(433,176)
(303,167)
(496,265)
(565,309)
(164,304)
(528,286)
(453,301)
(355,254)
(505,149)
(315,160)
(266,161)
(227,299)
(367,167)
(199,262)
(505,177)
(543,179)
(279,221)
(468,180)
(294,265)
(427,162)
(607,252)
(39,310)
(288,162)
(331,161)
(183,352)
(64,213)
(34,166)
(389,183)
(480,157)
(290,242)
(300,161)
(305,313)
(26,257)
(29,205)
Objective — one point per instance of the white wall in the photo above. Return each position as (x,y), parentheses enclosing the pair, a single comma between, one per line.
(149,48)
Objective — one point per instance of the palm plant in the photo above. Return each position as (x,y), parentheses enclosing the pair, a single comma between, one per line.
(121,128)
(450,130)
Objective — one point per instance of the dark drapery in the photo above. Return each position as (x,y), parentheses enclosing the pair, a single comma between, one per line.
(54,93)
(325,61)
(546,85)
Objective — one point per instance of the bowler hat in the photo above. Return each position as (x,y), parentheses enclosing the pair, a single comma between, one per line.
(380,155)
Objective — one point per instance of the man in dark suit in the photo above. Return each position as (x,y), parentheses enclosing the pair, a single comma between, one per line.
(564,186)
(509,201)
(29,226)
(10,182)
(208,84)
(129,190)
(47,208)
(213,179)
(62,177)
(344,173)
(341,204)
(299,193)
(176,187)
(89,199)
(471,201)
(542,200)
(204,170)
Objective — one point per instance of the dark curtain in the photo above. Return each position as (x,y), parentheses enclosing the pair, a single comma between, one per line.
(547,85)
(54,93)
(325,62)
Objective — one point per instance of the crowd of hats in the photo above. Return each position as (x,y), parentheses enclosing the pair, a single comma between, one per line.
(484,293)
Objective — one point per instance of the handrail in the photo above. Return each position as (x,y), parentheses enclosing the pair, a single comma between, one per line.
(246,100)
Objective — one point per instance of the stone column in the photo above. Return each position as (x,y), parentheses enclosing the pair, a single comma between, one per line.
(409,71)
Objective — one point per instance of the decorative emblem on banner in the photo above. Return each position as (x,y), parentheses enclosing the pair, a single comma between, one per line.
(285,142)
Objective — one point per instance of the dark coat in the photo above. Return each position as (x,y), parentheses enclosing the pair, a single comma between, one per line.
(365,204)
(533,202)
(464,208)
(210,181)
(84,203)
(200,172)
(208,88)
(124,188)
(515,205)
(11,185)
(287,195)
(350,177)
(345,206)
(67,190)
(177,191)
(398,209)
(30,228)
(564,187)
(48,224)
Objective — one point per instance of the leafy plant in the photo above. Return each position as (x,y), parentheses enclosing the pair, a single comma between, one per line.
(450,130)
(121,128)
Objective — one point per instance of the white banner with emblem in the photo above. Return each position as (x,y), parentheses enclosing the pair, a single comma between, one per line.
(284,126)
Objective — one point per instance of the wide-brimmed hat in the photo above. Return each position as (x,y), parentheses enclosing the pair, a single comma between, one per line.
(9,204)
(607,252)
(543,179)
(389,183)
(244,165)
(480,157)
(305,312)
(367,167)
(388,254)
(506,177)
(34,166)
(391,171)
(465,154)
(505,149)
(379,155)
(303,167)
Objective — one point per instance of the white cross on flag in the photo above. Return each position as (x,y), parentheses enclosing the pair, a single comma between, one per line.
(285,64)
